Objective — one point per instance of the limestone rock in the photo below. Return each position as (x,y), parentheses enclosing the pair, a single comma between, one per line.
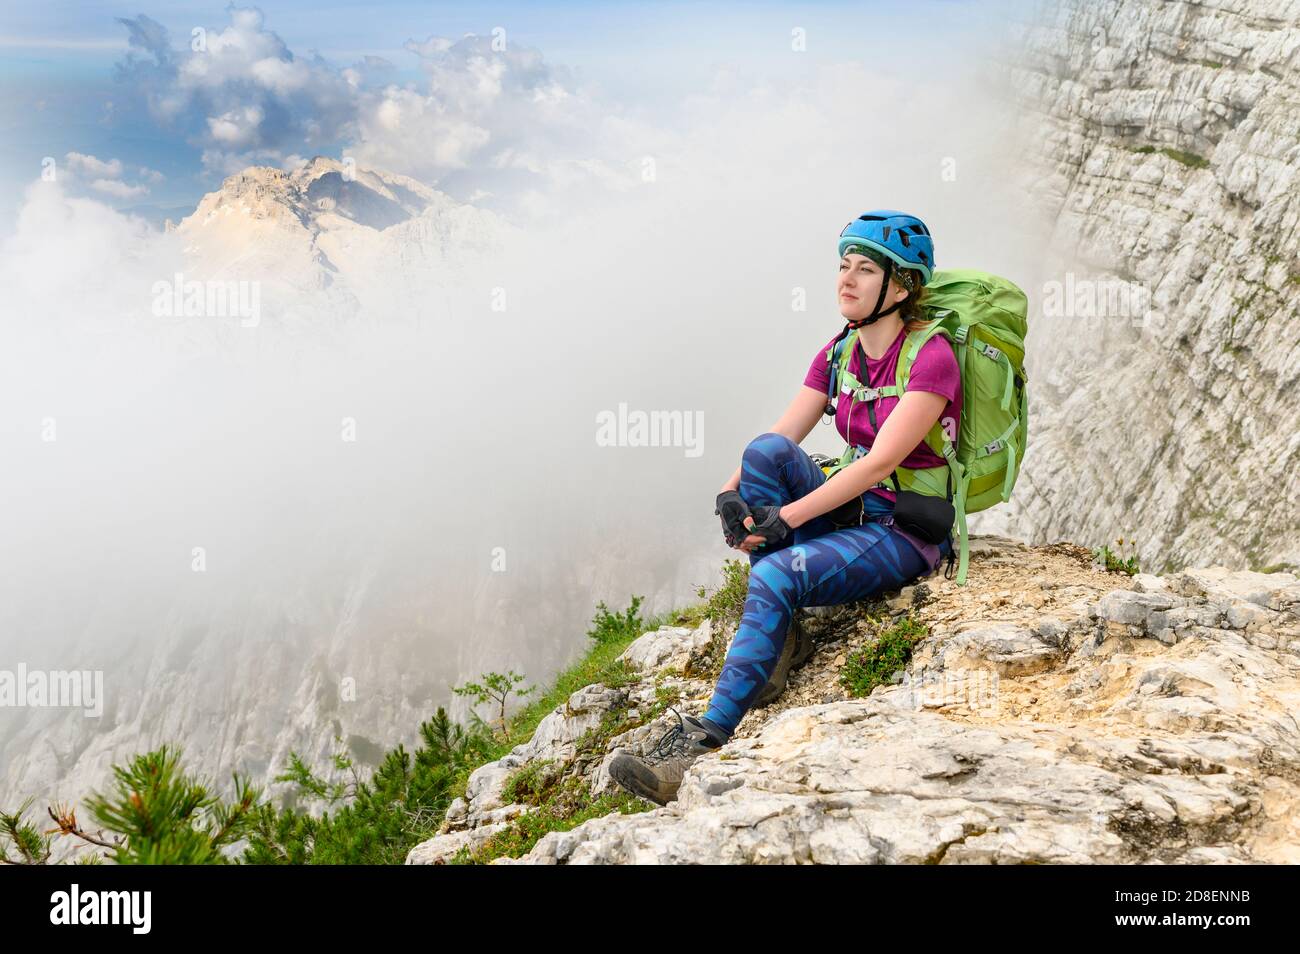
(1004,648)
(1161,148)
(670,646)
(1145,719)
(555,740)
(440,849)
(557,734)
(856,782)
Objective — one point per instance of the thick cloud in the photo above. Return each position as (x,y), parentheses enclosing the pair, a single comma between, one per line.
(240,93)
(488,119)
(493,119)
(72,258)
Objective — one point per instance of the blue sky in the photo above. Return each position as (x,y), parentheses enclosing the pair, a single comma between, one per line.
(63,93)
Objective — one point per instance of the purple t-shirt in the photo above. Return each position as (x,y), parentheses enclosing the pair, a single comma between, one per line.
(934,370)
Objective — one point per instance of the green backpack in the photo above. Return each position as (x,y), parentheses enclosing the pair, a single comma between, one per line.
(985,318)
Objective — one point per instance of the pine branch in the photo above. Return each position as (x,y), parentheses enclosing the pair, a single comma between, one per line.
(66,820)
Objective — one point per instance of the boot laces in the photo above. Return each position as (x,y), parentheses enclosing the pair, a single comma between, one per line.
(673,742)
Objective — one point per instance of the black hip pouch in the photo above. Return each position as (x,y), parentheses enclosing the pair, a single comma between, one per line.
(925,516)
(847,514)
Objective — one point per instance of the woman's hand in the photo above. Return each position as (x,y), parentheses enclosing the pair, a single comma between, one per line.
(733,510)
(767,526)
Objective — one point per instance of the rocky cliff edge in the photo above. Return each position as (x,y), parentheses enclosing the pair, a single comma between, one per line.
(1055,712)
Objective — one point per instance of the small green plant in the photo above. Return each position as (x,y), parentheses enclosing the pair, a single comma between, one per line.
(886,654)
(313,786)
(591,745)
(32,845)
(727,602)
(497,688)
(528,785)
(691,616)
(617,674)
(610,627)
(1119,562)
(1189,159)
(668,695)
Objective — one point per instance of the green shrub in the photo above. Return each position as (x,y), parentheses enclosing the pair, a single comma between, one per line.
(886,654)
(610,627)
(496,688)
(617,674)
(727,602)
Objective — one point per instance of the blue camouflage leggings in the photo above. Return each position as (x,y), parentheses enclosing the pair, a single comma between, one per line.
(816,566)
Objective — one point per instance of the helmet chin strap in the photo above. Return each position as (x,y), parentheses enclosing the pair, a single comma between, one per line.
(876,313)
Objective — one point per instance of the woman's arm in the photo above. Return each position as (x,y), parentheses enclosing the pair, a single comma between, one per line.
(904,428)
(799,418)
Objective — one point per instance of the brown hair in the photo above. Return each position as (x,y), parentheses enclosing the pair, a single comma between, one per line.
(912,310)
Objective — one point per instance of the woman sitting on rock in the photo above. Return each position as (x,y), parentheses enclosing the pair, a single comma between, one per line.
(814,542)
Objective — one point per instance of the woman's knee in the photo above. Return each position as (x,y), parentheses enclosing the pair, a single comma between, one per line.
(771,444)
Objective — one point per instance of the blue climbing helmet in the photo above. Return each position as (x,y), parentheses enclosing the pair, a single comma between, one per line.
(889,238)
(903,238)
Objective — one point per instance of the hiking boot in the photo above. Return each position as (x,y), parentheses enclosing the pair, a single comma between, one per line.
(657,775)
(798,647)
(803,647)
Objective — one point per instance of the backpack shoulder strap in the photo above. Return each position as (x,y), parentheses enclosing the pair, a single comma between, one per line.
(912,347)
(937,438)
(837,363)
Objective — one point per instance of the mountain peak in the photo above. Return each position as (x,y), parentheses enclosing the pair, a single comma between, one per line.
(332,236)
(319,187)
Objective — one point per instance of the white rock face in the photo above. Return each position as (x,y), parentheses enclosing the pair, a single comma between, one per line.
(1164,141)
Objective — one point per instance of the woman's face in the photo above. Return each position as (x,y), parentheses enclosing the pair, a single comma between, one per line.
(859,287)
